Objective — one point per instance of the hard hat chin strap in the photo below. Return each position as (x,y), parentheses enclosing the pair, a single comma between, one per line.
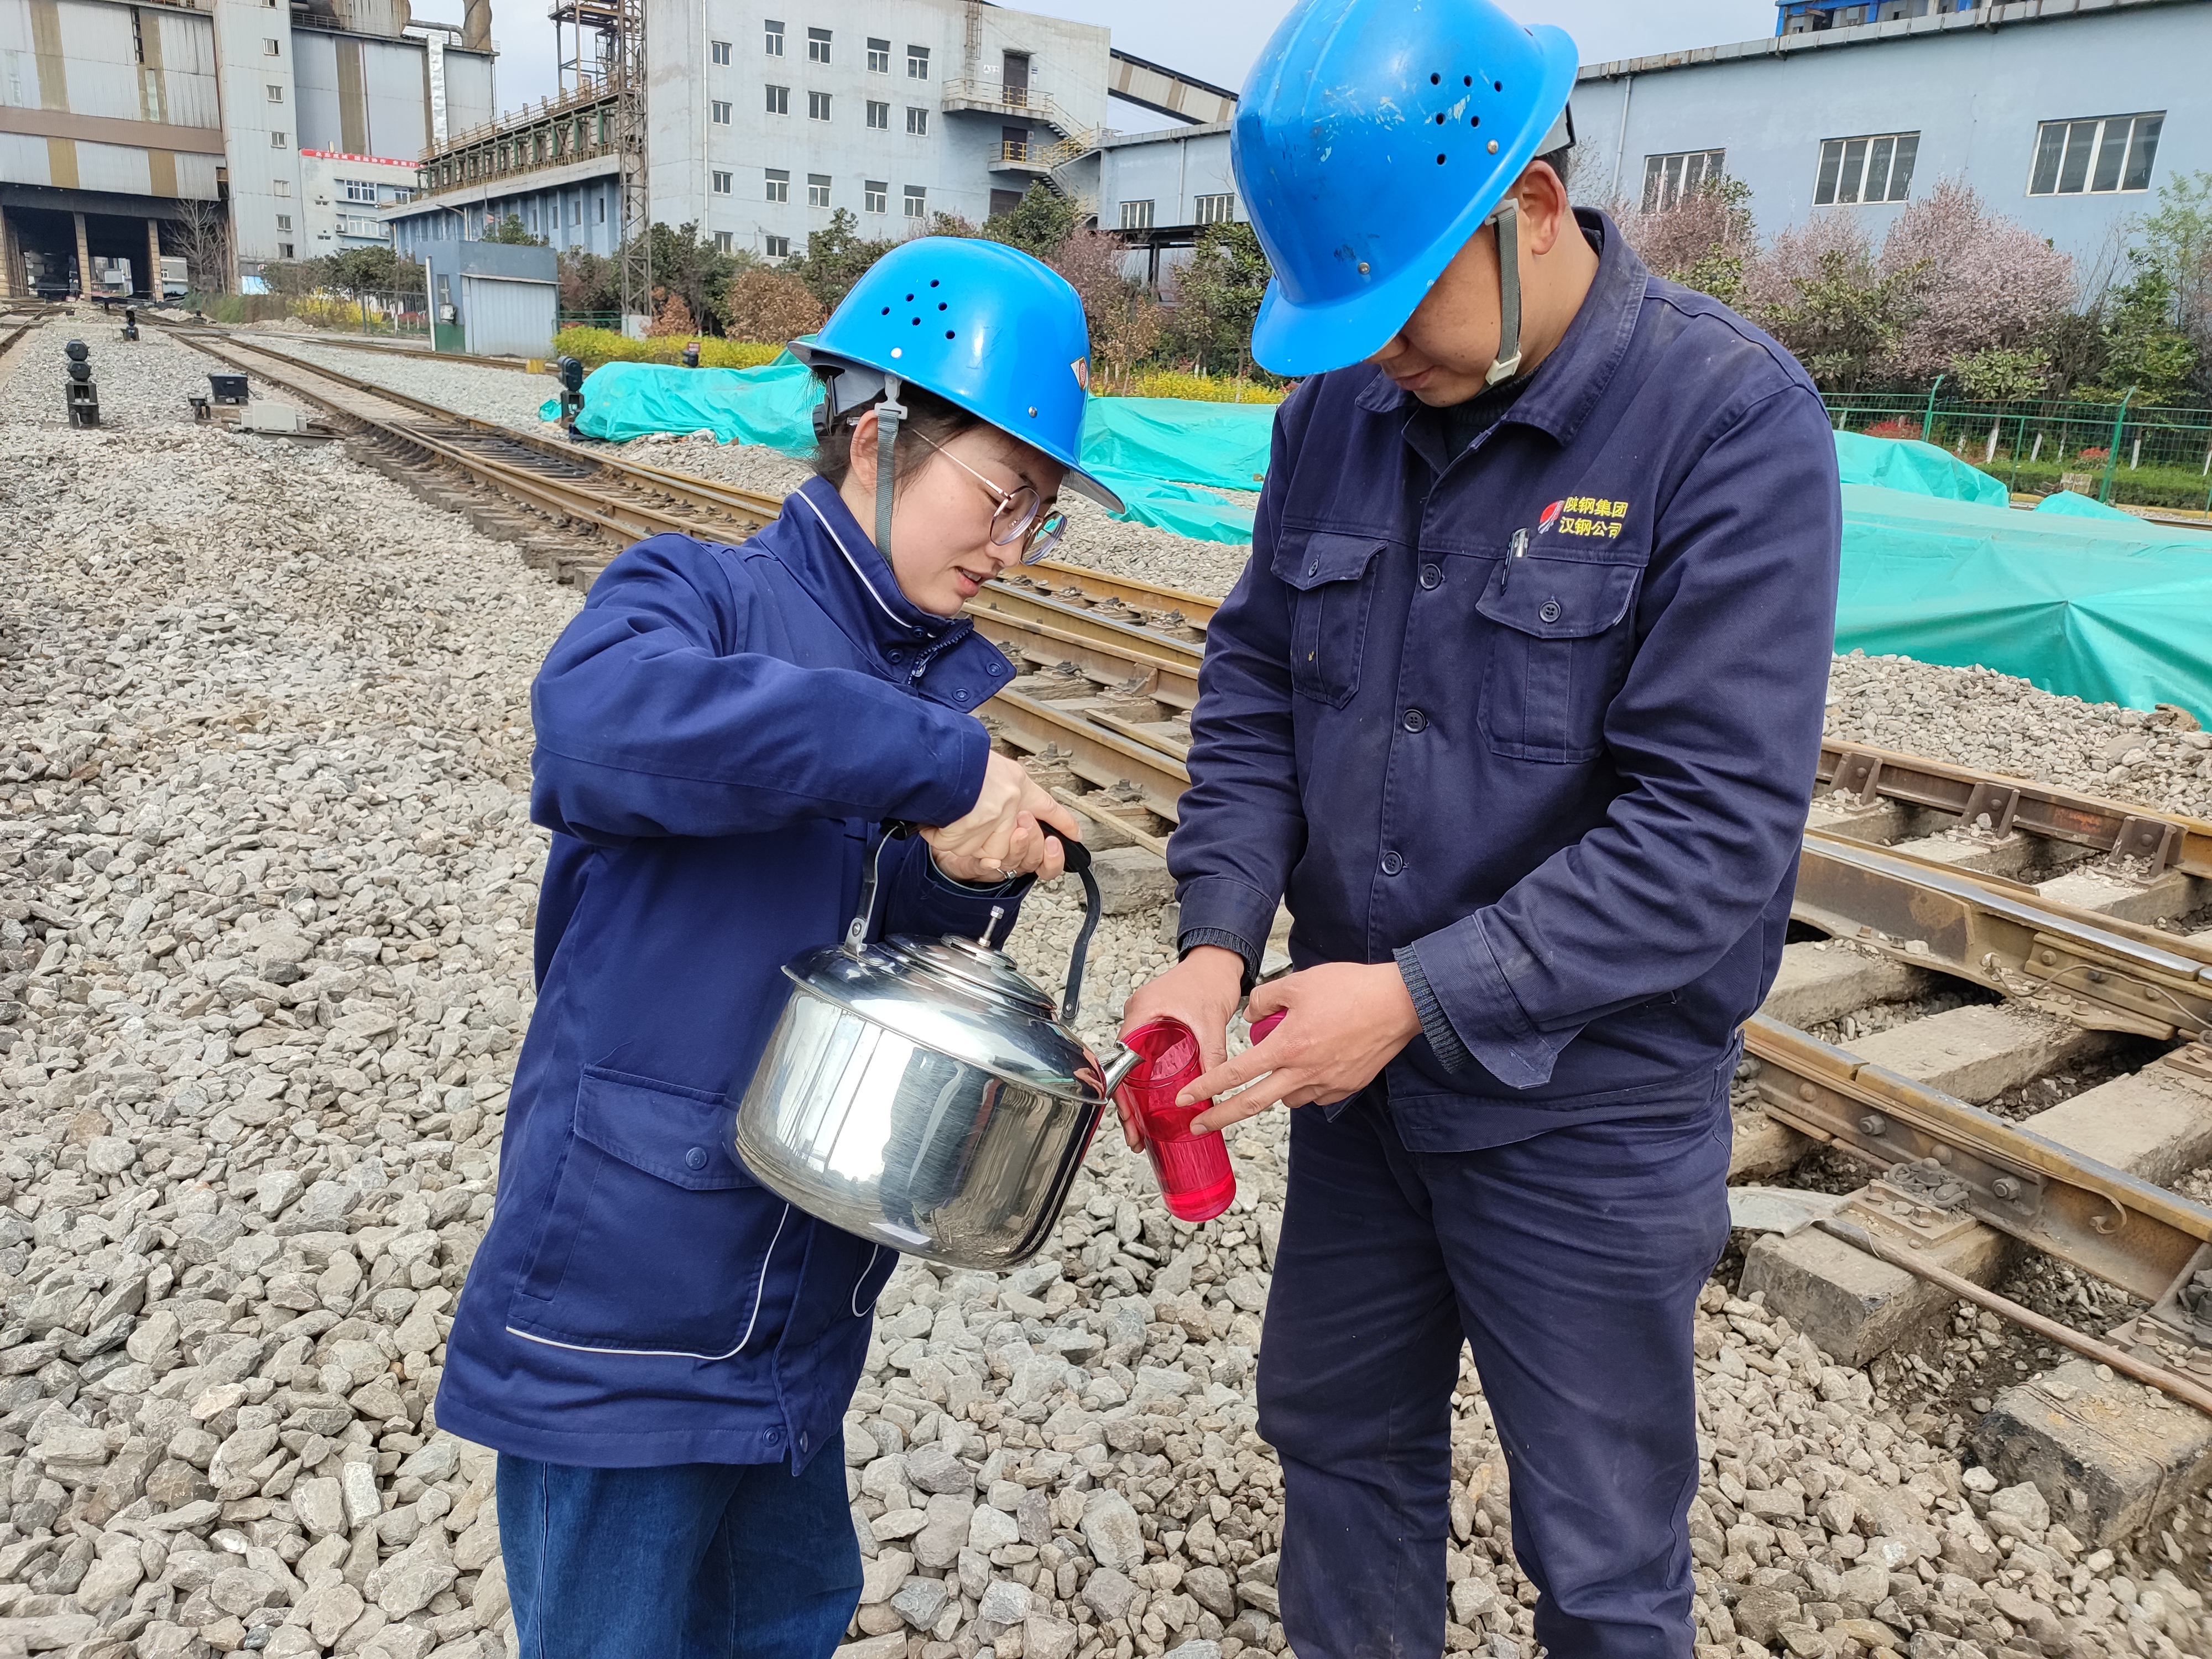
(888,414)
(1508,221)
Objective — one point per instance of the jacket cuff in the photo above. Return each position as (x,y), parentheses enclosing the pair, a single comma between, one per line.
(1451,1054)
(1191,938)
(1222,904)
(1471,989)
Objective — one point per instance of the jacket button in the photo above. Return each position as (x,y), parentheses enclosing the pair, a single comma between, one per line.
(1392,864)
(1415,720)
(961,695)
(696,1157)
(802,1442)
(894,655)
(1550,613)
(992,669)
(1314,569)
(1430,575)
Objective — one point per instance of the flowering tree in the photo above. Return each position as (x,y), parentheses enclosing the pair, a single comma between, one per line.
(1706,240)
(1123,316)
(1975,282)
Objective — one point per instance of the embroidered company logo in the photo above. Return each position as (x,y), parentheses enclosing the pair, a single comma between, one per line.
(1590,518)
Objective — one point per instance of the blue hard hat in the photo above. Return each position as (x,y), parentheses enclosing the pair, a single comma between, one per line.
(982,326)
(1373,138)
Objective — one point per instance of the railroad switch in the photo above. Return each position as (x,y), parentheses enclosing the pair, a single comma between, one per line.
(80,393)
(1922,1202)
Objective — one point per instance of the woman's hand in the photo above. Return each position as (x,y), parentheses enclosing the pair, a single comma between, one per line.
(1003,833)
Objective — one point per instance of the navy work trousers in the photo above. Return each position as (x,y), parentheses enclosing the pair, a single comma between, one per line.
(1571,1263)
(690,1561)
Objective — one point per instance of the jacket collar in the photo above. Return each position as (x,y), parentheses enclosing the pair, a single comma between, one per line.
(828,553)
(1568,384)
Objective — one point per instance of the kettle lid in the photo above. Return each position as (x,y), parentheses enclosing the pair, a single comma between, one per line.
(973,967)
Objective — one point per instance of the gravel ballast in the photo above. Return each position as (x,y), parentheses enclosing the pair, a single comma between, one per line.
(266,888)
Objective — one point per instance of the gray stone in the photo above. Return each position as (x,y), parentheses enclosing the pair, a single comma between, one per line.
(940,1541)
(2019,1512)
(1111,1530)
(1109,1594)
(1044,1637)
(934,1469)
(990,1528)
(1210,1588)
(1760,1613)
(921,1601)
(1004,1603)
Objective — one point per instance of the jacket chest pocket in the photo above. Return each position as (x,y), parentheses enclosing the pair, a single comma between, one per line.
(657,1241)
(1330,595)
(1556,656)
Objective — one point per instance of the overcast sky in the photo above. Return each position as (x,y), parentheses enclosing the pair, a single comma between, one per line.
(1215,43)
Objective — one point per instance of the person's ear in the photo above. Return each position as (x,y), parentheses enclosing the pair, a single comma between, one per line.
(1545,209)
(862,457)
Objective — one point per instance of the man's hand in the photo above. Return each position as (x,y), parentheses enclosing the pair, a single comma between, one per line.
(1343,1022)
(1001,835)
(1202,991)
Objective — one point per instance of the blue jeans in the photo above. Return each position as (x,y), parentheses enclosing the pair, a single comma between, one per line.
(693,1561)
(1570,1262)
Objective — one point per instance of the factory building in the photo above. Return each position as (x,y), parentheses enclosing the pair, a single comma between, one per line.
(131,129)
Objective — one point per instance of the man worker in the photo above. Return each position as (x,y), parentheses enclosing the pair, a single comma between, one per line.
(1518,706)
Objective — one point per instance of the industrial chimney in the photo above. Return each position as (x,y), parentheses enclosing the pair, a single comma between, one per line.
(475,25)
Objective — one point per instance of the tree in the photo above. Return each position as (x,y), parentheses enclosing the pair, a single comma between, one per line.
(1706,240)
(1123,316)
(510,231)
(590,283)
(201,235)
(2142,348)
(769,305)
(360,270)
(1977,282)
(2003,374)
(1039,224)
(1843,319)
(835,258)
(685,262)
(1217,298)
(674,317)
(2176,240)
(295,279)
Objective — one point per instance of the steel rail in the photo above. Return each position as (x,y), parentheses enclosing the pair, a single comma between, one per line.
(2123,1229)
(2102,972)
(1174,682)
(1130,637)
(2163,839)
(1197,609)
(583,495)
(1104,758)
(748,508)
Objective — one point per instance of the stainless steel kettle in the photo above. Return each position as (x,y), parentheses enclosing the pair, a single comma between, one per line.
(923,1094)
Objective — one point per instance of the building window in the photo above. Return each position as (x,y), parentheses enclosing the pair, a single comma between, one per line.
(917,63)
(917,202)
(284,186)
(778,185)
(283,249)
(603,210)
(1216,209)
(880,57)
(1669,180)
(875,195)
(722,184)
(879,116)
(774,38)
(1136,215)
(284,221)
(817,105)
(277,140)
(269,49)
(722,112)
(818,45)
(276,94)
(358,190)
(1872,169)
(720,51)
(917,121)
(2102,153)
(777,247)
(818,189)
(726,241)
(779,100)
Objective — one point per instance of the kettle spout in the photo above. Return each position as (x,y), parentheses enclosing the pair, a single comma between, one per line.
(1122,1061)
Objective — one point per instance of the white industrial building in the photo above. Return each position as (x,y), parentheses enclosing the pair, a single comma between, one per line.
(121,118)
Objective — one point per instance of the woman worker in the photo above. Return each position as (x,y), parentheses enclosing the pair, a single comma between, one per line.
(660,1350)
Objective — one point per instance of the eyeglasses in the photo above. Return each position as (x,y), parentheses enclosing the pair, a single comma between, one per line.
(1016,517)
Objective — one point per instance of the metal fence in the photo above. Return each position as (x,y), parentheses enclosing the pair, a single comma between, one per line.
(2121,453)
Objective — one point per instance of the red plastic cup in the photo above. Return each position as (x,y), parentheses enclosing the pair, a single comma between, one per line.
(1196,1180)
(1266,1023)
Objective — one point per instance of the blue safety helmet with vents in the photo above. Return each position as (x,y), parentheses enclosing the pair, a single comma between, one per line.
(982,326)
(1373,139)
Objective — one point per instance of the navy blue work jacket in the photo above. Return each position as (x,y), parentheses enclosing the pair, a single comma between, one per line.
(1546,712)
(719,732)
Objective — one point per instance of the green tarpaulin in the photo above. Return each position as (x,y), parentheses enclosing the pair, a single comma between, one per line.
(1908,463)
(2067,504)
(768,406)
(2107,611)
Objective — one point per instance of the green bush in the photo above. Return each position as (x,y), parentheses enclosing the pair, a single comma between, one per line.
(594,346)
(2146,486)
